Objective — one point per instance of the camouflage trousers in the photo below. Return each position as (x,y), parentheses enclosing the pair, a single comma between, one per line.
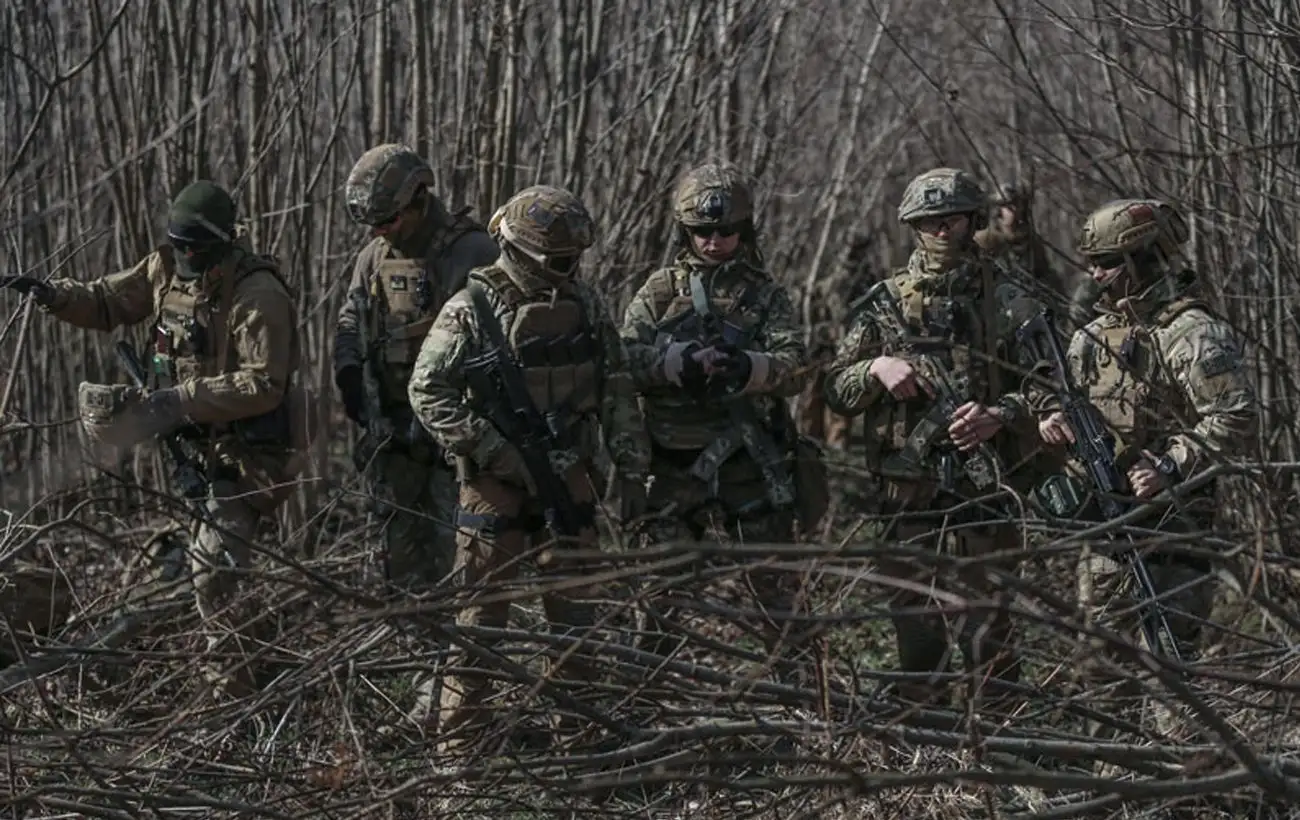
(1109,596)
(223,551)
(925,633)
(500,526)
(415,501)
(684,508)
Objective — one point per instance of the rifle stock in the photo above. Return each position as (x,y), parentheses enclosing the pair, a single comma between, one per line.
(1094,448)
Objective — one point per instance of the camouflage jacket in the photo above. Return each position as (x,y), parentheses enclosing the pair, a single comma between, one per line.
(441,398)
(967,316)
(661,323)
(245,352)
(402,288)
(1166,376)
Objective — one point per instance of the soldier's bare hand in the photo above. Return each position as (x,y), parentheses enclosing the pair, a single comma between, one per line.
(972,424)
(1055,429)
(897,375)
(1144,479)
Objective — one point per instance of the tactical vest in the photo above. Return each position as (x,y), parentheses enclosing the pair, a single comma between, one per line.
(1123,368)
(961,329)
(405,300)
(191,336)
(677,420)
(554,343)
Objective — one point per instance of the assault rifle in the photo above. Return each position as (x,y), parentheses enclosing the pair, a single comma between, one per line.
(762,449)
(498,377)
(982,466)
(380,429)
(1094,447)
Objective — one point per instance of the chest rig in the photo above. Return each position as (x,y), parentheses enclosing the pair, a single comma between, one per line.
(1121,364)
(191,335)
(952,323)
(555,345)
(405,297)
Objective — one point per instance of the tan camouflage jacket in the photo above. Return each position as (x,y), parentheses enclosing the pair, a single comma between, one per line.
(403,287)
(252,326)
(660,322)
(977,310)
(439,390)
(1166,376)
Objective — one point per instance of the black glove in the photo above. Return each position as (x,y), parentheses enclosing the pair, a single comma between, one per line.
(28,284)
(352,388)
(693,378)
(736,370)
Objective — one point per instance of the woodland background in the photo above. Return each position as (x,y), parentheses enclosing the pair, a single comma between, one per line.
(107,109)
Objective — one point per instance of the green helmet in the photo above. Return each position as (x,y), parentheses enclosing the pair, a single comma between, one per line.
(544,223)
(384,181)
(716,193)
(940,192)
(200,228)
(202,213)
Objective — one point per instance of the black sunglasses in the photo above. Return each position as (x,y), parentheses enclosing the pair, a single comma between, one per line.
(1107,261)
(724,231)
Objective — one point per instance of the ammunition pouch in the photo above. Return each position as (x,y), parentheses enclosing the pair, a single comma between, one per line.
(1064,496)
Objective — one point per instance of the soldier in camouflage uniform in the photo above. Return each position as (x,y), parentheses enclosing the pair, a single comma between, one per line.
(1013,238)
(1167,377)
(419,255)
(965,311)
(717,353)
(575,372)
(226,351)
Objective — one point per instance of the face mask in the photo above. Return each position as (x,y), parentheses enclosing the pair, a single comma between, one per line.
(193,261)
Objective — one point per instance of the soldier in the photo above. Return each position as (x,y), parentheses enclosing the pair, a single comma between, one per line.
(419,255)
(226,350)
(1167,378)
(525,338)
(959,302)
(1012,236)
(717,353)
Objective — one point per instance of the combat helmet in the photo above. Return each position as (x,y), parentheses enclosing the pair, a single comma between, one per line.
(715,193)
(1143,235)
(200,227)
(548,225)
(944,191)
(385,181)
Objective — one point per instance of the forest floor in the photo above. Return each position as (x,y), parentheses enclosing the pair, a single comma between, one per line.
(701,729)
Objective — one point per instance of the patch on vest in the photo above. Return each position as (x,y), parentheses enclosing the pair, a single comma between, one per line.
(1218,363)
(398,283)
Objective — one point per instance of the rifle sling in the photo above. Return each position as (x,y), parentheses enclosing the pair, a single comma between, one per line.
(747,432)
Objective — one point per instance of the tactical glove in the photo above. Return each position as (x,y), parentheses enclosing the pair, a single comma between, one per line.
(694,379)
(352,388)
(736,370)
(43,293)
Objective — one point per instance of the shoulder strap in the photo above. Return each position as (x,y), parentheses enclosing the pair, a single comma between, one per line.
(496,279)
(699,296)
(486,316)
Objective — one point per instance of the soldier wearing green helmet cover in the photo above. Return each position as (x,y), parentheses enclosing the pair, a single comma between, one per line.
(418,256)
(965,312)
(224,359)
(718,355)
(1167,377)
(564,350)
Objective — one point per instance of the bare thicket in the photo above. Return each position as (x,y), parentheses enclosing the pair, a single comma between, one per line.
(109,107)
